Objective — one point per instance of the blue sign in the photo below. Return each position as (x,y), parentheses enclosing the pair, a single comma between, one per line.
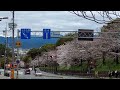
(17,61)
(46,33)
(25,33)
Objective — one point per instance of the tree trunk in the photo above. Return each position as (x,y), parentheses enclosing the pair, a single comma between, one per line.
(117,62)
(88,66)
(117,57)
(81,62)
(103,56)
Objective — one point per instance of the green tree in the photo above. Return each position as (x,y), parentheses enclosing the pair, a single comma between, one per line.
(47,47)
(66,38)
(33,52)
(27,59)
(38,51)
(2,49)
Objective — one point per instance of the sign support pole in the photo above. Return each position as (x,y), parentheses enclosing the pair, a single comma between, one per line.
(17,53)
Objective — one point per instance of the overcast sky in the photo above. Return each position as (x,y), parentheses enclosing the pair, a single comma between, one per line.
(55,20)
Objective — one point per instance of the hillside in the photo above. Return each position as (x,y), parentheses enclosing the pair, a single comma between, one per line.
(30,43)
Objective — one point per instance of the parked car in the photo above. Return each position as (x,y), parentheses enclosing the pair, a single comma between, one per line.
(27,71)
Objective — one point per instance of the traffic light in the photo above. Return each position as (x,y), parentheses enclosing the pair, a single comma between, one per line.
(18,43)
(11,65)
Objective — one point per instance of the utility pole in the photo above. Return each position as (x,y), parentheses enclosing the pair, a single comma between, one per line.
(13,40)
(12,71)
(7,52)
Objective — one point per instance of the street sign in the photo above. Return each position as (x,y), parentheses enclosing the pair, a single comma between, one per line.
(18,43)
(85,34)
(46,33)
(11,25)
(17,61)
(25,33)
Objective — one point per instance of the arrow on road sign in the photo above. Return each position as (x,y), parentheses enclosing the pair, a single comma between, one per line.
(25,33)
(46,33)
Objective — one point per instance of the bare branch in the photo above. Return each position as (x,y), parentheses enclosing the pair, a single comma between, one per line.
(106,16)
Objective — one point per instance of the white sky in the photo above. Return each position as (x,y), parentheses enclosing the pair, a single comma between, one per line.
(55,20)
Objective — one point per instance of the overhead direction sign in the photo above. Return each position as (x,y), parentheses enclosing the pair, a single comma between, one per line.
(46,33)
(85,34)
(25,33)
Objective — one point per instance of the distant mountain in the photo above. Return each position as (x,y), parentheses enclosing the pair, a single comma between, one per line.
(30,43)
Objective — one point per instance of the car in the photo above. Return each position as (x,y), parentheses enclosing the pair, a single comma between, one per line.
(7,73)
(1,71)
(38,74)
(30,69)
(27,71)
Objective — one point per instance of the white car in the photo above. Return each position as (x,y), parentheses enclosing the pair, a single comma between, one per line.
(30,69)
(38,74)
(7,73)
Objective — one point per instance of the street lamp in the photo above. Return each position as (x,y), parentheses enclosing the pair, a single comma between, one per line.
(3,18)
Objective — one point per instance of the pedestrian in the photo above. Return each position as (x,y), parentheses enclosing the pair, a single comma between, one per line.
(113,73)
(35,70)
(96,74)
(110,74)
(116,73)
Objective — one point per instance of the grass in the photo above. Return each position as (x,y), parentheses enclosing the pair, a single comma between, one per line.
(109,65)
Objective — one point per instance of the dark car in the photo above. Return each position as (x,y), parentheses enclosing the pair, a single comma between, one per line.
(27,71)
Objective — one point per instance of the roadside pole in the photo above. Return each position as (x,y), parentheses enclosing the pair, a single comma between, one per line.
(5,51)
(17,53)
(12,68)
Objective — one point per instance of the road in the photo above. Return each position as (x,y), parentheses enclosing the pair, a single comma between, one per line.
(44,76)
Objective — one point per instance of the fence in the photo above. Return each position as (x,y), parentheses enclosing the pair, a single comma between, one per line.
(76,73)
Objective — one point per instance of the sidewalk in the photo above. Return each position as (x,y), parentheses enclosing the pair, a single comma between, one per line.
(4,77)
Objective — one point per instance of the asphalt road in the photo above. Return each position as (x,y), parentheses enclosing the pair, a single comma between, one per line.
(43,76)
